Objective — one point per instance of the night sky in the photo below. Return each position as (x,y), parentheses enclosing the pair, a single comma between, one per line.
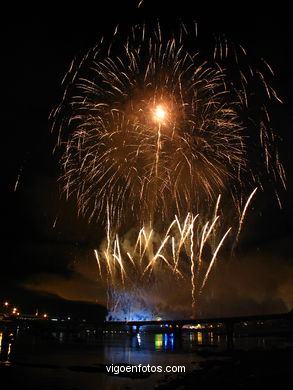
(45,246)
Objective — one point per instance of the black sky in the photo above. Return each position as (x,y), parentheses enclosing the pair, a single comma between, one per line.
(36,52)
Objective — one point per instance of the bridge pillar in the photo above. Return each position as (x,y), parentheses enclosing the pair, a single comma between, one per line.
(230,334)
(134,329)
(177,330)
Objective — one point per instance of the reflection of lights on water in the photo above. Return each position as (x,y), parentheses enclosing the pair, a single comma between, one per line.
(158,341)
(199,338)
(261,342)
(61,337)
(196,337)
(171,338)
(164,341)
(5,347)
(211,337)
(8,352)
(138,339)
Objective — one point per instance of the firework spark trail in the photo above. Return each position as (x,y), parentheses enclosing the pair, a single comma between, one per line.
(98,262)
(188,229)
(192,265)
(204,236)
(213,259)
(179,241)
(243,216)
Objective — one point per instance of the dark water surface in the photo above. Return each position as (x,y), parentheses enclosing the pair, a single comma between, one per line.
(67,361)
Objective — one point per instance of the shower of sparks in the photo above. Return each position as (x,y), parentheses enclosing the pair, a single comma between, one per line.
(151,129)
(133,261)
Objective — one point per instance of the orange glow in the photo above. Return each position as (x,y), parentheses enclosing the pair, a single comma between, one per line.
(160,114)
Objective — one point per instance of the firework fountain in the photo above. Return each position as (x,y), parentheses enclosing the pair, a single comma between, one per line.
(160,146)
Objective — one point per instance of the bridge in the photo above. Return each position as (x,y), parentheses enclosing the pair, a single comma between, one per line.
(228,323)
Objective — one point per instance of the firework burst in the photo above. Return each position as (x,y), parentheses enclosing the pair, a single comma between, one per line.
(151,129)
(154,129)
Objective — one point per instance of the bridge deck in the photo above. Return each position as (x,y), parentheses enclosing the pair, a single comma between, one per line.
(213,320)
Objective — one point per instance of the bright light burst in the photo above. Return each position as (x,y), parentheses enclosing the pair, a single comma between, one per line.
(152,129)
(160,114)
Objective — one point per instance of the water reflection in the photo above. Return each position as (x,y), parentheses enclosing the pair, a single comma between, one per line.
(206,339)
(199,338)
(144,347)
(6,340)
(166,341)
(196,338)
(60,359)
(158,342)
(138,340)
